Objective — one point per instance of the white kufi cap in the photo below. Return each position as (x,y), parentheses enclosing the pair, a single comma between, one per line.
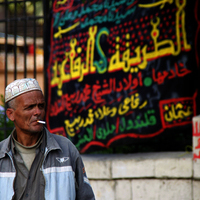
(19,87)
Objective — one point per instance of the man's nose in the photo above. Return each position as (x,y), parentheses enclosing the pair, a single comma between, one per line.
(37,111)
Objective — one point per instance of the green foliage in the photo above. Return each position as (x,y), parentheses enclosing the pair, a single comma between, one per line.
(18,8)
(4,121)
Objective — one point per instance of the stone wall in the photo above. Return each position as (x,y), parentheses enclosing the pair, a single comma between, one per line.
(143,176)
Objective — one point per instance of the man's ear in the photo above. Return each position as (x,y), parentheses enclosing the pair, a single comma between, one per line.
(10,113)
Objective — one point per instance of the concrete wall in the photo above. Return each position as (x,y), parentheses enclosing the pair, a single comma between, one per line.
(143,176)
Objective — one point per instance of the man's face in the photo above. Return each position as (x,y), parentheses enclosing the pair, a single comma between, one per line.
(29,108)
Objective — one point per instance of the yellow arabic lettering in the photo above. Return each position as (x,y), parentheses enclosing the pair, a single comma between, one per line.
(143,105)
(158,50)
(124,107)
(90,50)
(54,79)
(62,2)
(99,114)
(135,101)
(70,126)
(181,14)
(155,34)
(90,119)
(130,103)
(105,111)
(74,65)
(159,3)
(126,57)
(59,80)
(115,63)
(78,123)
(63,76)
(176,112)
(131,61)
(143,64)
(60,31)
(161,48)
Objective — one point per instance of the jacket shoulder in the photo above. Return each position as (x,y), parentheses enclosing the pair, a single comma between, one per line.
(62,140)
(64,143)
(5,144)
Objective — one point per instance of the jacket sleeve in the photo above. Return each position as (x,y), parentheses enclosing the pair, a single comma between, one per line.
(83,188)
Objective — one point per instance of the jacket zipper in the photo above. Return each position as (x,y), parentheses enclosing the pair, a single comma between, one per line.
(10,156)
(42,167)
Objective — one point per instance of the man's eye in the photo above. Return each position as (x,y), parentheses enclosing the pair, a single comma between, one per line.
(41,105)
(30,107)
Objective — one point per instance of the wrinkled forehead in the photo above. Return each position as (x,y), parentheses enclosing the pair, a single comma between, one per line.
(29,98)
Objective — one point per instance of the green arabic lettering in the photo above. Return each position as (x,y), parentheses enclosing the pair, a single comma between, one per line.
(56,19)
(119,16)
(110,129)
(99,133)
(86,138)
(60,21)
(101,65)
(122,126)
(102,133)
(97,7)
(128,3)
(130,125)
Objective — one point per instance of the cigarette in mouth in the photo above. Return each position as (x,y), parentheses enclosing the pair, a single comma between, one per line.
(41,122)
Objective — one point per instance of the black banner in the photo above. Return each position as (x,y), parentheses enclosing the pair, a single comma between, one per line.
(122,70)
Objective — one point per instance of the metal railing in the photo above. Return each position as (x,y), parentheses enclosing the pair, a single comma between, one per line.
(22,27)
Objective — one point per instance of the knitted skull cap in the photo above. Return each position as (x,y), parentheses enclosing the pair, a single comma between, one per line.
(20,86)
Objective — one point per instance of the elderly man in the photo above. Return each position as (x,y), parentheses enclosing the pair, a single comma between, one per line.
(35,164)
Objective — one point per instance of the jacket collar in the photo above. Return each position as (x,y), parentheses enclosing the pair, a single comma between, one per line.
(5,146)
(51,144)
